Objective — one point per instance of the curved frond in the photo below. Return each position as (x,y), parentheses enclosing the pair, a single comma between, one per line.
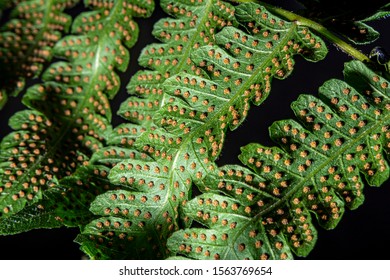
(340,143)
(190,125)
(70,113)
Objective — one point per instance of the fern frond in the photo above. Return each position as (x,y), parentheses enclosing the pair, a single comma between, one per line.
(27,41)
(69,115)
(340,143)
(191,122)
(192,24)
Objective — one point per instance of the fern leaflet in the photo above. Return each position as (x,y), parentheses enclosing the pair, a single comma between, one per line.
(194,25)
(342,137)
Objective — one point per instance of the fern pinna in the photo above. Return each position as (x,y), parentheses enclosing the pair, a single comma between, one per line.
(193,25)
(27,41)
(68,117)
(265,212)
(189,127)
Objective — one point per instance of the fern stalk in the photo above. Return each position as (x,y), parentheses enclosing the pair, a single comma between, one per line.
(320,29)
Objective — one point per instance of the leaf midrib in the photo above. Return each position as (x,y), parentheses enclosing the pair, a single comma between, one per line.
(189,48)
(54,146)
(186,54)
(44,29)
(95,75)
(188,139)
(236,96)
(311,175)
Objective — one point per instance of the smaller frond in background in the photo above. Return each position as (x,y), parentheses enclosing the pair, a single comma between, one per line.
(68,119)
(27,40)
(348,18)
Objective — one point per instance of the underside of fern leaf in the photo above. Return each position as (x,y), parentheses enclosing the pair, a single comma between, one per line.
(68,120)
(340,144)
(27,41)
(193,26)
(189,125)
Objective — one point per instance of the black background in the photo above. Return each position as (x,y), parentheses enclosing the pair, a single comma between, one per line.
(362,234)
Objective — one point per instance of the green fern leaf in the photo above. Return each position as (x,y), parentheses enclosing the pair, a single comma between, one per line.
(193,25)
(382,12)
(27,41)
(198,20)
(69,115)
(59,205)
(193,117)
(120,147)
(341,143)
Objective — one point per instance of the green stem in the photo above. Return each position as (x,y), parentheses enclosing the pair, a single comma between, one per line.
(347,48)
